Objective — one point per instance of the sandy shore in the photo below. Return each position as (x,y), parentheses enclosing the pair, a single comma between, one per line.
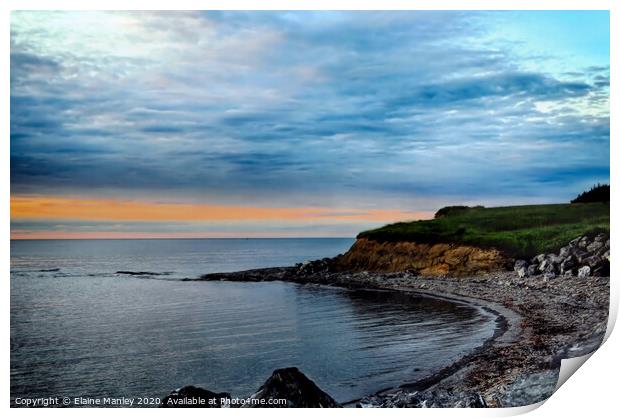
(539,322)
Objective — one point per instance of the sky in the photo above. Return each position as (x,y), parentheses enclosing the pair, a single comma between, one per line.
(295,124)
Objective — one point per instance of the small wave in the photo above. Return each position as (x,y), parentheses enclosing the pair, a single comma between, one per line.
(144,273)
(22,272)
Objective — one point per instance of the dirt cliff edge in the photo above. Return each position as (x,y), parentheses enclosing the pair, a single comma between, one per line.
(425,259)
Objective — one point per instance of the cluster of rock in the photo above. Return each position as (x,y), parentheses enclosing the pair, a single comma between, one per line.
(300,392)
(287,384)
(584,256)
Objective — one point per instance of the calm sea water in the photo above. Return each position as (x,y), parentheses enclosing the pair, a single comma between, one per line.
(80,329)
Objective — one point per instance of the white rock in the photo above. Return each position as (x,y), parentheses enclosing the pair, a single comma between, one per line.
(583,272)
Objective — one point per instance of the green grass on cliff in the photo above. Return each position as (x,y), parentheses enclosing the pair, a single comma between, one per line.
(519,231)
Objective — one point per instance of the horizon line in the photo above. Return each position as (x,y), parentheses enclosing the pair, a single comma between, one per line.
(171,238)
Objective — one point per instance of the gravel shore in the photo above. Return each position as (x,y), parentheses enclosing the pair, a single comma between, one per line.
(539,322)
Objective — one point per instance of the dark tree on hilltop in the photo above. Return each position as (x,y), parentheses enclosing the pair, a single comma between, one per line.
(454,210)
(598,193)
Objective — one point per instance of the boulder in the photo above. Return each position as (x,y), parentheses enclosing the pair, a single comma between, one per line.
(194,397)
(567,265)
(583,272)
(546,266)
(532,269)
(520,264)
(593,261)
(601,251)
(555,259)
(521,268)
(539,258)
(595,246)
(600,238)
(602,270)
(580,255)
(565,252)
(605,255)
(295,387)
(549,275)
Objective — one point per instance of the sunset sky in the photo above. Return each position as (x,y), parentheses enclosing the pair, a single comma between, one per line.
(265,124)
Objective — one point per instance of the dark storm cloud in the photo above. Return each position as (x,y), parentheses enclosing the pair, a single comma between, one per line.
(506,85)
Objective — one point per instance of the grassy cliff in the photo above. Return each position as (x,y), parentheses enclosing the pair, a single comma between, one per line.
(518,231)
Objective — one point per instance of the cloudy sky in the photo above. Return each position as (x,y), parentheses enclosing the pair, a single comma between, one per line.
(231,124)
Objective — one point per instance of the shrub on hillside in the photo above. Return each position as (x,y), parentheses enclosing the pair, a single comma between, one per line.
(453,210)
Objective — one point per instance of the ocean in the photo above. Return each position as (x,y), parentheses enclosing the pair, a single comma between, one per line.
(80,328)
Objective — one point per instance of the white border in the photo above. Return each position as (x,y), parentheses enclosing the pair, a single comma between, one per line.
(592,391)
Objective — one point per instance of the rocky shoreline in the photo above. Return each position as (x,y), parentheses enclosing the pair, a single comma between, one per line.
(541,319)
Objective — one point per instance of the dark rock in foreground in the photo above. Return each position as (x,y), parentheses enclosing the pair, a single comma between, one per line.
(286,388)
(296,388)
(194,397)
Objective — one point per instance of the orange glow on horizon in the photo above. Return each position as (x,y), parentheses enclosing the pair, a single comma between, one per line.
(60,208)
(52,208)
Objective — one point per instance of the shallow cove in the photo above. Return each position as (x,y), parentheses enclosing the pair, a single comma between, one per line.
(231,336)
(80,329)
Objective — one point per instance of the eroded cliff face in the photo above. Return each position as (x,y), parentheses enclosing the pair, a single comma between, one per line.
(424,259)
